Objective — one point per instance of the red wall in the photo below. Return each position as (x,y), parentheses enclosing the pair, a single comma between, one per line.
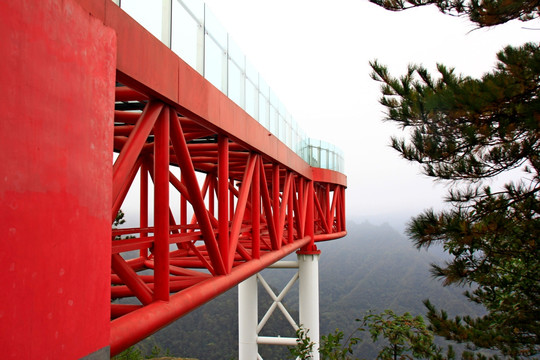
(57,73)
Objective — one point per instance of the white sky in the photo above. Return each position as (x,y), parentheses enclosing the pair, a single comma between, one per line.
(315,54)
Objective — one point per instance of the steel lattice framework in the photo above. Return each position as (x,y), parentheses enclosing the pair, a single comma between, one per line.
(249,212)
(219,198)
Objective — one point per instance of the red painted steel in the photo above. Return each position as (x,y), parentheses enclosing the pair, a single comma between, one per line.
(137,325)
(161,205)
(57,88)
(264,211)
(269,202)
(223,197)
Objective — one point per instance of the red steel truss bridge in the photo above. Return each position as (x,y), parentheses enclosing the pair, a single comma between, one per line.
(219,197)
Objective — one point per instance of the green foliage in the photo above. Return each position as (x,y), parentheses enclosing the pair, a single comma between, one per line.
(131,353)
(482,12)
(156,352)
(119,219)
(404,335)
(468,131)
(464,128)
(334,348)
(304,346)
(134,353)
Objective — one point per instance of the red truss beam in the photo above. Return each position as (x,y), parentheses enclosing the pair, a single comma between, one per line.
(247,211)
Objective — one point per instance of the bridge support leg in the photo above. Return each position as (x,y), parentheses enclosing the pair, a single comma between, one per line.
(247,319)
(308,269)
(248,326)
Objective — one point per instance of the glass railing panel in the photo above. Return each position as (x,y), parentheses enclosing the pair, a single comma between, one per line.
(325,145)
(294,140)
(263,87)
(274,100)
(146,13)
(281,128)
(236,79)
(200,40)
(264,111)
(236,55)
(289,131)
(252,99)
(274,120)
(187,33)
(236,83)
(282,109)
(215,63)
(304,148)
(315,159)
(303,144)
(215,54)
(195,7)
(214,28)
(295,137)
(324,158)
(252,74)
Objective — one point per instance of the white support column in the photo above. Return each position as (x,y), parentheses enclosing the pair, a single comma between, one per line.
(247,319)
(248,326)
(308,268)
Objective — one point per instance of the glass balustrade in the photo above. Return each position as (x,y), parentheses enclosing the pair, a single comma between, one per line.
(190,29)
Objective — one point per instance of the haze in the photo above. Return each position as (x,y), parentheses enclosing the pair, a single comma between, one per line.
(315,55)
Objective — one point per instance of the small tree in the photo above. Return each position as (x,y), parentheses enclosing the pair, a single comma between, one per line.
(404,336)
(336,347)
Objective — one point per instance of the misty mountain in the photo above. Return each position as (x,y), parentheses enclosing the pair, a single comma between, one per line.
(372,268)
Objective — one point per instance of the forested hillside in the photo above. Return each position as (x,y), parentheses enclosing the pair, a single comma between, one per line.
(373,268)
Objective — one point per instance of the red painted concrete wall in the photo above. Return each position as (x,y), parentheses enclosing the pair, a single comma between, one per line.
(57,74)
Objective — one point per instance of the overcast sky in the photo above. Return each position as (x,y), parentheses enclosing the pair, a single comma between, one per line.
(315,55)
